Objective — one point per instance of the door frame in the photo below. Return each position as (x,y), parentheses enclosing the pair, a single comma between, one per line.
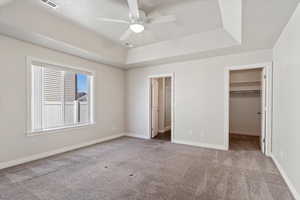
(268,68)
(155,90)
(172,76)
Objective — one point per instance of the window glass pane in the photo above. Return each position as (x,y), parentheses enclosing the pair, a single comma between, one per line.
(82,95)
(70,98)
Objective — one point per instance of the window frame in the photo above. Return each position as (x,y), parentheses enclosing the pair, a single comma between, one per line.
(29,82)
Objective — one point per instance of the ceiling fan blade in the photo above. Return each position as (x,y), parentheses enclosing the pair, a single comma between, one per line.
(120,21)
(126,35)
(134,8)
(162,19)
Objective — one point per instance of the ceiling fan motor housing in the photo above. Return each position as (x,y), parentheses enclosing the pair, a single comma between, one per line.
(141,20)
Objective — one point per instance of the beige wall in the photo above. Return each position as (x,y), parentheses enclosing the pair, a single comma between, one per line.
(199,97)
(286,121)
(109,102)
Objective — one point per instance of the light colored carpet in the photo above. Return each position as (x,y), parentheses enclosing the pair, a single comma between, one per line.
(137,169)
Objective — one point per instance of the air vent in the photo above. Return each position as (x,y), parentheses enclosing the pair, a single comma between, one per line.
(49,3)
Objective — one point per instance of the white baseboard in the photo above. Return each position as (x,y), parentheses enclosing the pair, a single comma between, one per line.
(203,145)
(54,152)
(137,135)
(286,178)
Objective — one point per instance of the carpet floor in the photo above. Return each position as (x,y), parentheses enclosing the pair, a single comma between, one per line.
(136,169)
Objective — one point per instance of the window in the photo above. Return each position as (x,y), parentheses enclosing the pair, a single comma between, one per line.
(60,97)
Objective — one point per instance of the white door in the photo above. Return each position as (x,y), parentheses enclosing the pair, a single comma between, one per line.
(154,107)
(263,112)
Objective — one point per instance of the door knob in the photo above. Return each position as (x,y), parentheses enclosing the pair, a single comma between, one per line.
(259,113)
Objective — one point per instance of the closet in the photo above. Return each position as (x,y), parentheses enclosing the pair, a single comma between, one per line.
(245,104)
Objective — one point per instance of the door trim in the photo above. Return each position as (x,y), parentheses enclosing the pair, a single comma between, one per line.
(268,67)
(155,107)
(149,105)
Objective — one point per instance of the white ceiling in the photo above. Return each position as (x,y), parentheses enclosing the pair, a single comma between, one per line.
(204,28)
(262,22)
(193,16)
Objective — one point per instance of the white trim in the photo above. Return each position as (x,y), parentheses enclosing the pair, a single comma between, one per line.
(268,69)
(161,75)
(226,107)
(136,135)
(59,129)
(31,59)
(286,178)
(172,75)
(54,152)
(162,122)
(29,103)
(251,66)
(203,145)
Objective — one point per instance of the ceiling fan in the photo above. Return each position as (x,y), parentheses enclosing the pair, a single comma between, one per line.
(138,19)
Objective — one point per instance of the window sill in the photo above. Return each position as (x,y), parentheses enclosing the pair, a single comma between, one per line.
(59,129)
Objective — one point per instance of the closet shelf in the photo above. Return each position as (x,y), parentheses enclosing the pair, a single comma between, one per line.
(245,83)
(246,92)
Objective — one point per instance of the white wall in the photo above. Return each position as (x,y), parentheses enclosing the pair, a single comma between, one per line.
(199,97)
(286,124)
(109,92)
(243,111)
(244,119)
(181,47)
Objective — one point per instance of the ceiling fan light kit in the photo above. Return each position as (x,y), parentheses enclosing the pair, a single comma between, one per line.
(137,27)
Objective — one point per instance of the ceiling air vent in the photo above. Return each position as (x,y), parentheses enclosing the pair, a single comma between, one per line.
(49,3)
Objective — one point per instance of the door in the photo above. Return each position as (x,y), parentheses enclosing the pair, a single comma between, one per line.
(154,108)
(263,112)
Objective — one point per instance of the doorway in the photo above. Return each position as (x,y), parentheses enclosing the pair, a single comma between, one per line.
(248,108)
(160,119)
(245,110)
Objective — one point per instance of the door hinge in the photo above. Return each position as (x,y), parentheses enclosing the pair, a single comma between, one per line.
(264,140)
(265,76)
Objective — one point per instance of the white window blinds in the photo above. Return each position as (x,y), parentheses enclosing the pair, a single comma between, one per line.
(60,97)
